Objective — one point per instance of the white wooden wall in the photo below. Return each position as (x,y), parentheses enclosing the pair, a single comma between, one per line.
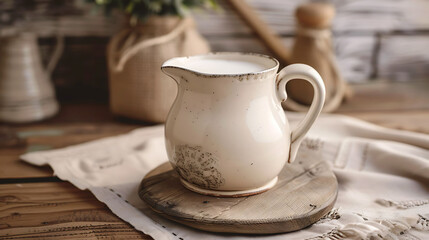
(372,38)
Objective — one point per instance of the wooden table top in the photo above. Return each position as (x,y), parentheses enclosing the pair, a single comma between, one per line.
(35,204)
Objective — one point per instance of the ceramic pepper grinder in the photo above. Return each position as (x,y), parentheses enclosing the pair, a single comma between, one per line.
(313,46)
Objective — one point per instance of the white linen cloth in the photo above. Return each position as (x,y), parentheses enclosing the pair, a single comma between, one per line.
(383,177)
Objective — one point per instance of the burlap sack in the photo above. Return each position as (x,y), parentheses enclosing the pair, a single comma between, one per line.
(138,88)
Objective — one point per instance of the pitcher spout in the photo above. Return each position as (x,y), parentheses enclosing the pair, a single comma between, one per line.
(174,69)
(172,72)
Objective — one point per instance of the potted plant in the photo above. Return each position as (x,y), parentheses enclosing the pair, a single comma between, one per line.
(157,30)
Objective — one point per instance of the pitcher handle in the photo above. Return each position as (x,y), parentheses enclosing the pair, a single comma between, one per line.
(301,71)
(56,55)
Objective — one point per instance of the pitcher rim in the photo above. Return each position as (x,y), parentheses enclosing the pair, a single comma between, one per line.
(214,75)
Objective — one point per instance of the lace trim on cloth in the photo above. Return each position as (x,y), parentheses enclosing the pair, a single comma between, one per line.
(422,223)
(331,215)
(334,234)
(375,228)
(402,204)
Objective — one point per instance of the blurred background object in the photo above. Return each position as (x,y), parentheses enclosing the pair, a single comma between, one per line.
(138,89)
(26,91)
(155,32)
(381,46)
(313,46)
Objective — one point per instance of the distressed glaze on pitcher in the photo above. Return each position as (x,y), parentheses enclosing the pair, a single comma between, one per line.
(226,133)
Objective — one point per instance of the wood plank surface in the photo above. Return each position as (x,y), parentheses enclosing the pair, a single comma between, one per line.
(45,136)
(363,30)
(12,167)
(57,211)
(305,192)
(385,96)
(413,120)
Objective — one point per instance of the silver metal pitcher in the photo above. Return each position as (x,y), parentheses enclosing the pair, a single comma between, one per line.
(26,91)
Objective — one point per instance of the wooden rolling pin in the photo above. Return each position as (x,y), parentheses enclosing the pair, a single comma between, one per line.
(271,40)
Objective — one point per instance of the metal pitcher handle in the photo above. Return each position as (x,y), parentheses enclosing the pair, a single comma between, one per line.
(56,55)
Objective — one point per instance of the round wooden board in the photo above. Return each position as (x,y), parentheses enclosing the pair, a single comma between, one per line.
(305,192)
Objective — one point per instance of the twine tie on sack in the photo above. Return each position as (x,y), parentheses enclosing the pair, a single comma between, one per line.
(128,52)
(138,89)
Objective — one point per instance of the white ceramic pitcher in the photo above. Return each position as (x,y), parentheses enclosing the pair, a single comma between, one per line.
(226,133)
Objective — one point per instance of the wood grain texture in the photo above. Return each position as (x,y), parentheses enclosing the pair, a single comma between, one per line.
(12,167)
(381,96)
(403,57)
(413,120)
(45,136)
(305,192)
(57,211)
(356,21)
(75,18)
